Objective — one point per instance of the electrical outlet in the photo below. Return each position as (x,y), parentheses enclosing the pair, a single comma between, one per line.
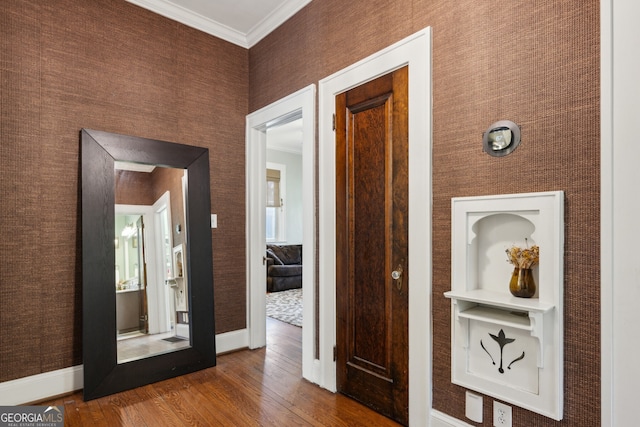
(501,415)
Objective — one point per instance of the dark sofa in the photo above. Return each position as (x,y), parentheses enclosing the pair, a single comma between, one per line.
(284,267)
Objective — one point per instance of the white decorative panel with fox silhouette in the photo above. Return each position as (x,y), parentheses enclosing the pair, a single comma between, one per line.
(505,346)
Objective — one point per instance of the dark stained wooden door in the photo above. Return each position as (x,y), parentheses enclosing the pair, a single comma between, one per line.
(371,242)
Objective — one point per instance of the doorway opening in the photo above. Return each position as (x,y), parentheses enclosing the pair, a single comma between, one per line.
(283,223)
(297,106)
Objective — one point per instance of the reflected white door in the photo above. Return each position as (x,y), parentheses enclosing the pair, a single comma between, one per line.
(164,266)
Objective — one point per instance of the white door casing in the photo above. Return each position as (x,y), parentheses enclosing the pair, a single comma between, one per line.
(619,175)
(294,106)
(414,51)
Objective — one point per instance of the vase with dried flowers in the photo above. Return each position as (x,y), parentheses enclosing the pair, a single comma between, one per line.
(523,259)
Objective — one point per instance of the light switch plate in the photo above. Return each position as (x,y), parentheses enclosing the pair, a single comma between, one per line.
(473,409)
(214,221)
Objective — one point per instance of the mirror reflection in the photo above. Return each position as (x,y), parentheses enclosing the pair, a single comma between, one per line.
(500,138)
(151,284)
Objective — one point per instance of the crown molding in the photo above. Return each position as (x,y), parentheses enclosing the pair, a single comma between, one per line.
(199,22)
(193,20)
(272,21)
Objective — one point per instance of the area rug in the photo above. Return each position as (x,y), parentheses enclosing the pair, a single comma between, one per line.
(286,306)
(173,339)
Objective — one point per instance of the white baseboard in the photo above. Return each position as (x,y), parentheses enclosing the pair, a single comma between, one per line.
(231,341)
(41,386)
(182,330)
(440,419)
(49,384)
(315,372)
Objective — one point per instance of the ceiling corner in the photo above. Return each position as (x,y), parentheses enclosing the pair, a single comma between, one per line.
(272,21)
(194,20)
(227,26)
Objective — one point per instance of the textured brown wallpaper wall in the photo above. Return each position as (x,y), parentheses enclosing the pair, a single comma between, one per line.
(171,179)
(133,188)
(536,63)
(107,65)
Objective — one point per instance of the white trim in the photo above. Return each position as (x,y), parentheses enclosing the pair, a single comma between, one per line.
(231,341)
(210,26)
(275,146)
(606,213)
(255,235)
(439,419)
(298,104)
(620,228)
(41,386)
(36,388)
(272,21)
(164,320)
(193,20)
(414,51)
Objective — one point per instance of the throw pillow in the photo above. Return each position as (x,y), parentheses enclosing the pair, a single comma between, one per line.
(275,258)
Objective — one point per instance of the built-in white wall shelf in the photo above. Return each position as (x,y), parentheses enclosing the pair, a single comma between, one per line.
(504,346)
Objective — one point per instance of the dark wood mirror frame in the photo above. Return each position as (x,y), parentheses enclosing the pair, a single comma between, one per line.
(102,374)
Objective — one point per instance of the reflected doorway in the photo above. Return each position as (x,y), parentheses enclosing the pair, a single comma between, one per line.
(144,302)
(152,304)
(131,291)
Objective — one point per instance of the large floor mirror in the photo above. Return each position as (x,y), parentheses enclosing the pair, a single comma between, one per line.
(147,261)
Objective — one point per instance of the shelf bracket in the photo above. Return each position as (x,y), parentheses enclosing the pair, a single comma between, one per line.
(537,331)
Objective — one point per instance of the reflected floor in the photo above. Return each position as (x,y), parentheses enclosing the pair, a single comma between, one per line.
(135,345)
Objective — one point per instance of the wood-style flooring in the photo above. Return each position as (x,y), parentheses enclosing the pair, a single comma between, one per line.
(261,387)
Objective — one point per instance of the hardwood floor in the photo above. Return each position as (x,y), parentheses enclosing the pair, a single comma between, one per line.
(261,387)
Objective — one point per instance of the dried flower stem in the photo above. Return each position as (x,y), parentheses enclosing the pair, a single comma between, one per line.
(523,258)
